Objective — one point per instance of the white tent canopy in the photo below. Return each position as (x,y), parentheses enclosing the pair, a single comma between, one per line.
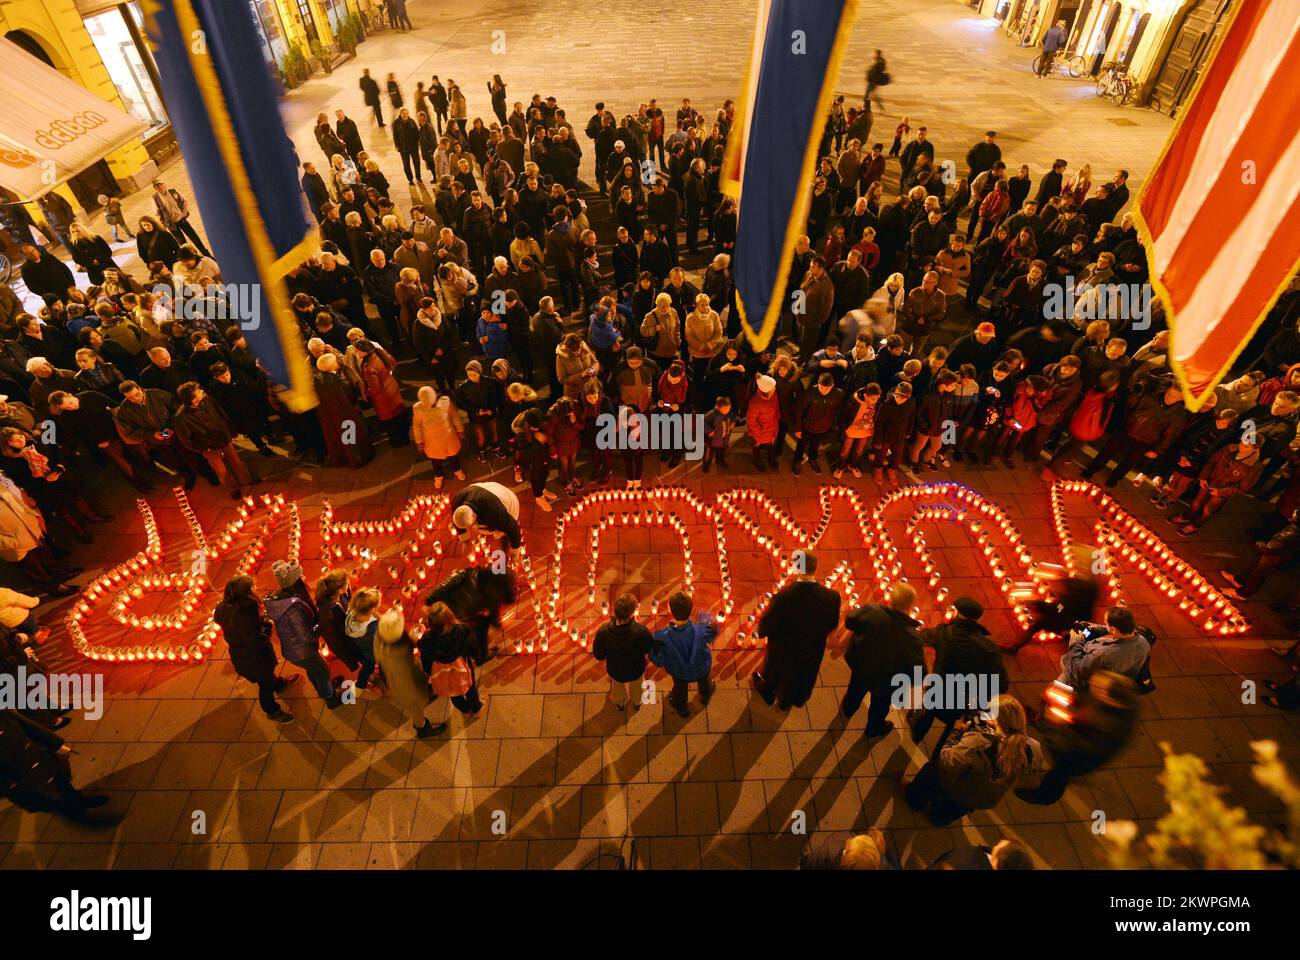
(52,128)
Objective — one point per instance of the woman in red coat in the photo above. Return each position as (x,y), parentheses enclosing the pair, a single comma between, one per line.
(763,421)
(376,368)
(565,429)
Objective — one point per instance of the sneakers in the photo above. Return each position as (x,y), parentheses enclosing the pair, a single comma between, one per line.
(815,466)
(1231,578)
(1186,530)
(837,473)
(796,469)
(482,455)
(459,474)
(1139,478)
(857,474)
(943,462)
(430,730)
(543,504)
(283,716)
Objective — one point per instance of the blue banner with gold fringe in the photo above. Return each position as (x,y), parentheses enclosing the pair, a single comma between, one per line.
(223,105)
(795,58)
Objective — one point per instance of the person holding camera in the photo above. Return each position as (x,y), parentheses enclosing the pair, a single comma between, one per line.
(1120,646)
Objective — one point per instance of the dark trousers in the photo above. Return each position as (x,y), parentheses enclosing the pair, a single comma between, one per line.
(318,673)
(183,229)
(1126,453)
(681,689)
(859,687)
(267,684)
(379,114)
(926,793)
(810,443)
(411,158)
(523,352)
(570,289)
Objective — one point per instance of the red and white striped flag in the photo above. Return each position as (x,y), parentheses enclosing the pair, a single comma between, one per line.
(1221,213)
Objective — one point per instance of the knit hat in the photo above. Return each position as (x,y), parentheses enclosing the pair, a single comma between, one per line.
(500,364)
(765,383)
(475,366)
(286,573)
(634,353)
(968,608)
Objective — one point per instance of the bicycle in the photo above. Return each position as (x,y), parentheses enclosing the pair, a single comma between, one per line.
(1075,66)
(1114,83)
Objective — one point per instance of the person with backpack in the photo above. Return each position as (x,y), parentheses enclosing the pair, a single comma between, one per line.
(682,650)
(293,611)
(446,653)
(247,631)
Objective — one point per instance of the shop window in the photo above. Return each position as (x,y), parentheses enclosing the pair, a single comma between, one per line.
(125,62)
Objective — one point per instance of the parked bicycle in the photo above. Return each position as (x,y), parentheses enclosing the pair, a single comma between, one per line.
(1114,83)
(1075,66)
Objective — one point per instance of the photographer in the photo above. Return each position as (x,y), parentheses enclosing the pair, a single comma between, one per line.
(1121,646)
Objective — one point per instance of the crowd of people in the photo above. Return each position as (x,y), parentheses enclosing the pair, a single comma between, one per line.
(501,309)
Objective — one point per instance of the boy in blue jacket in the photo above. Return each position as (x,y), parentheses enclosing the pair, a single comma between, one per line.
(682,649)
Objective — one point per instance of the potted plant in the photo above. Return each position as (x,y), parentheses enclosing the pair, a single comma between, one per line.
(322,56)
(295,67)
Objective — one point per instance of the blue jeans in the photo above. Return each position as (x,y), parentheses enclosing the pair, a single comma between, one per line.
(318,672)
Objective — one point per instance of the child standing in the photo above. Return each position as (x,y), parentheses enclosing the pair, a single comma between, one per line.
(682,649)
(113,216)
(858,430)
(900,131)
(622,644)
(718,424)
(360,625)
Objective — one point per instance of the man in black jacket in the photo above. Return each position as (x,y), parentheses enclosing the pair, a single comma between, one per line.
(963,648)
(45,274)
(313,185)
(983,155)
(370,94)
(815,420)
(1050,185)
(85,420)
(797,622)
(346,128)
(883,652)
(406,138)
(489,506)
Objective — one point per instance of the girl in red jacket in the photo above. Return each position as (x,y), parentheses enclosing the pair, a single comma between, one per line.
(763,422)
(1021,416)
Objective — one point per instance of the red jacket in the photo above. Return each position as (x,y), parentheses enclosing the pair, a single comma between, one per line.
(762,417)
(1022,412)
(1227,475)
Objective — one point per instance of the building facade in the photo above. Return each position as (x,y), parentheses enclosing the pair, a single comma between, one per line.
(101,44)
(1162,44)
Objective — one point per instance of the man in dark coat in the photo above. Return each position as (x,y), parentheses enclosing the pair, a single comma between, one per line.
(1050,185)
(346,128)
(796,624)
(45,274)
(313,185)
(370,94)
(963,647)
(35,774)
(882,647)
(983,155)
(623,645)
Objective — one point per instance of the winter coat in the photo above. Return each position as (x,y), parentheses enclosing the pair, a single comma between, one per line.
(968,768)
(934,410)
(382,388)
(882,644)
(894,422)
(1065,391)
(21,527)
(663,331)
(1022,412)
(437,430)
(570,369)
(1153,423)
(247,633)
(704,334)
(295,624)
(763,417)
(796,624)
(1227,474)
(404,680)
(1092,415)
(683,650)
(819,413)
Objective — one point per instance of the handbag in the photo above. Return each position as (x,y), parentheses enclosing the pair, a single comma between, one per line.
(451,679)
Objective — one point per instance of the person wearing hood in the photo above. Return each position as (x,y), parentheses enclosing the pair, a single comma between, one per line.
(407,684)
(603,336)
(359,625)
(622,645)
(1269,389)
(247,631)
(437,432)
(963,647)
(796,624)
(575,363)
(293,612)
(682,650)
(883,645)
(446,654)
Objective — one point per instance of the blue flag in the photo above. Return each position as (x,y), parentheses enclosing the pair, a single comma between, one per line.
(223,105)
(772,153)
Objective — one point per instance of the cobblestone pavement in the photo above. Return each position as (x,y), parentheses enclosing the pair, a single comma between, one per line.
(352,788)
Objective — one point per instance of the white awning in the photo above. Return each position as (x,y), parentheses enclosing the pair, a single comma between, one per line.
(52,128)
